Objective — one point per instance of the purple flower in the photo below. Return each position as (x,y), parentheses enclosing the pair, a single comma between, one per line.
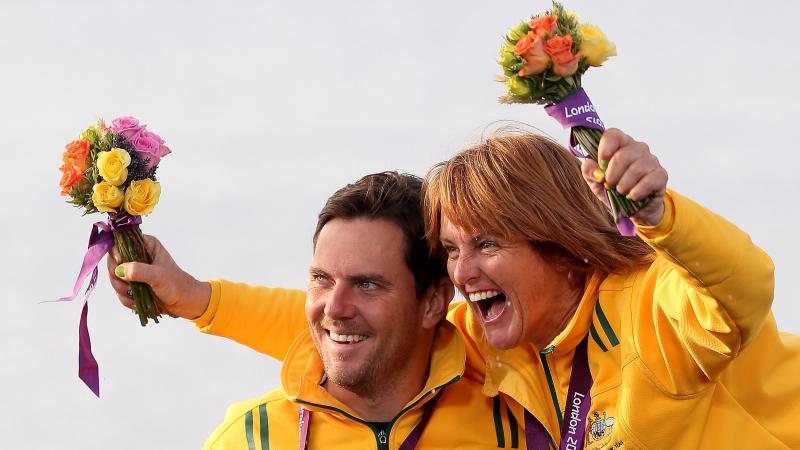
(127,126)
(151,146)
(147,143)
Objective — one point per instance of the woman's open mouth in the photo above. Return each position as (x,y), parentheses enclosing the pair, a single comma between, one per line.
(491,304)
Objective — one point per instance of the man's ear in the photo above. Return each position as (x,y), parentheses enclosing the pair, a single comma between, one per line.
(436,302)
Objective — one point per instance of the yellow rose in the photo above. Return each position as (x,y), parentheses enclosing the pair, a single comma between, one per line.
(595,46)
(113,165)
(141,197)
(107,197)
(572,15)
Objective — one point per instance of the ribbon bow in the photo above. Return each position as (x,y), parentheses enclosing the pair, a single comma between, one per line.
(101,240)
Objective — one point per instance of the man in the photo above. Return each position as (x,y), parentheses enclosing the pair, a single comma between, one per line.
(377,366)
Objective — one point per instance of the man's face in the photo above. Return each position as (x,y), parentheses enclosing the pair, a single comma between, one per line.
(362,307)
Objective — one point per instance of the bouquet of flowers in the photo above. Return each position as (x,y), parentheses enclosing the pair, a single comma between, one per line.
(543,60)
(112,169)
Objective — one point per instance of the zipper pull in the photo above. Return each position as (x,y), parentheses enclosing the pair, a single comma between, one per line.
(382,437)
(548,350)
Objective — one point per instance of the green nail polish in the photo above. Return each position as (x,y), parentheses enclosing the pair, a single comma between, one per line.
(120,271)
(603,164)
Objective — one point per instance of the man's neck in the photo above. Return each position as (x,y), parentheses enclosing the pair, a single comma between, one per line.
(390,396)
(380,406)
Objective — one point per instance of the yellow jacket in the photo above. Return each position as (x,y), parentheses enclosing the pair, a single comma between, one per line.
(685,353)
(462,418)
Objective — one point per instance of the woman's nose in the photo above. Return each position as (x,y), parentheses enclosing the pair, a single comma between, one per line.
(464,270)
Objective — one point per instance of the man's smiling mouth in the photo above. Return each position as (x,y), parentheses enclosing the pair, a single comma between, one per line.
(346,338)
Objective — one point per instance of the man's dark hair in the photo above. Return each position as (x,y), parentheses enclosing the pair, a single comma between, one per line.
(394,197)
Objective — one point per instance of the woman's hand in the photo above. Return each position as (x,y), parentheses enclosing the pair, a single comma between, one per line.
(179,293)
(632,170)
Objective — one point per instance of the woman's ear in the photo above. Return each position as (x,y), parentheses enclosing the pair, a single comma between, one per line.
(439,297)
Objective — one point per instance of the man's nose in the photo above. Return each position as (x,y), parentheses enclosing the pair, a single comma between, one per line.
(339,305)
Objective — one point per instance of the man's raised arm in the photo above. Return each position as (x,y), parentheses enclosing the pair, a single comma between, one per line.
(264,319)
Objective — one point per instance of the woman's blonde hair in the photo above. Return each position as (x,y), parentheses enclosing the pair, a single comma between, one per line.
(527,187)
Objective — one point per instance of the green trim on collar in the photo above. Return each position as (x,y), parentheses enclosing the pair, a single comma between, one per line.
(612,338)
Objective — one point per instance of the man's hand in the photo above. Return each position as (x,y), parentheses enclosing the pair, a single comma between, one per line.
(179,293)
(632,170)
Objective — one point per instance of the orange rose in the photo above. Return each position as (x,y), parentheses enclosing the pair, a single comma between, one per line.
(536,60)
(523,45)
(77,154)
(542,25)
(560,50)
(70,177)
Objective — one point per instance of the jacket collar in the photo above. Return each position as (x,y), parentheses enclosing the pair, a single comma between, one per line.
(302,372)
(517,372)
(578,325)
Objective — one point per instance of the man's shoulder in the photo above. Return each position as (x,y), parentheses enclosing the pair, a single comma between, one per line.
(242,418)
(269,399)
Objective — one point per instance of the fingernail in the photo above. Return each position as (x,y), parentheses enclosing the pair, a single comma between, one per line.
(603,164)
(598,174)
(120,271)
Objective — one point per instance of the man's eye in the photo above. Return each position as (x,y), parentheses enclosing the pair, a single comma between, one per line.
(367,285)
(318,277)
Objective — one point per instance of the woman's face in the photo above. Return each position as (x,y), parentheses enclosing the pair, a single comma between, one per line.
(517,295)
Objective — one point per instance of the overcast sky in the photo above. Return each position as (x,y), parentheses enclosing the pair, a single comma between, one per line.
(271,106)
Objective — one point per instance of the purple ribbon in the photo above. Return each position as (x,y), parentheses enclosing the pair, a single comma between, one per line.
(304,418)
(576,110)
(101,240)
(576,410)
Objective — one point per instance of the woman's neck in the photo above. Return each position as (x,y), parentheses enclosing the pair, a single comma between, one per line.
(564,309)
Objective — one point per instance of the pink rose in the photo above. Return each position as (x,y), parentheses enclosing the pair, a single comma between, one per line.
(151,146)
(127,126)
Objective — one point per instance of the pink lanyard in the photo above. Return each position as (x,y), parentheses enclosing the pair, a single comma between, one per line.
(409,444)
(578,401)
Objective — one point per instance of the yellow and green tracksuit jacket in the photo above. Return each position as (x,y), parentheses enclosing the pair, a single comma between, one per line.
(462,418)
(684,354)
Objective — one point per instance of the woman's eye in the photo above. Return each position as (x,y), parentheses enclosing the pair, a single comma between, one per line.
(486,245)
(451,252)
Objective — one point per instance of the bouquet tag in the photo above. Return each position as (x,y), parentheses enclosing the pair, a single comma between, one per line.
(576,110)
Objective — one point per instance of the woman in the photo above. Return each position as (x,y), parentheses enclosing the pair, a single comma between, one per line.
(664,340)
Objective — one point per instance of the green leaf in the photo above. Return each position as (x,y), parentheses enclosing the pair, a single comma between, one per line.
(518,32)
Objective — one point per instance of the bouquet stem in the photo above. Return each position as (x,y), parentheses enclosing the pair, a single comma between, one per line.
(131,246)
(589,139)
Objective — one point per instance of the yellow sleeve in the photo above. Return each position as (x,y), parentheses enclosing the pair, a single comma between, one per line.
(264,319)
(704,298)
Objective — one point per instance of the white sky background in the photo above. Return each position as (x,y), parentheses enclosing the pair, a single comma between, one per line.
(271,106)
